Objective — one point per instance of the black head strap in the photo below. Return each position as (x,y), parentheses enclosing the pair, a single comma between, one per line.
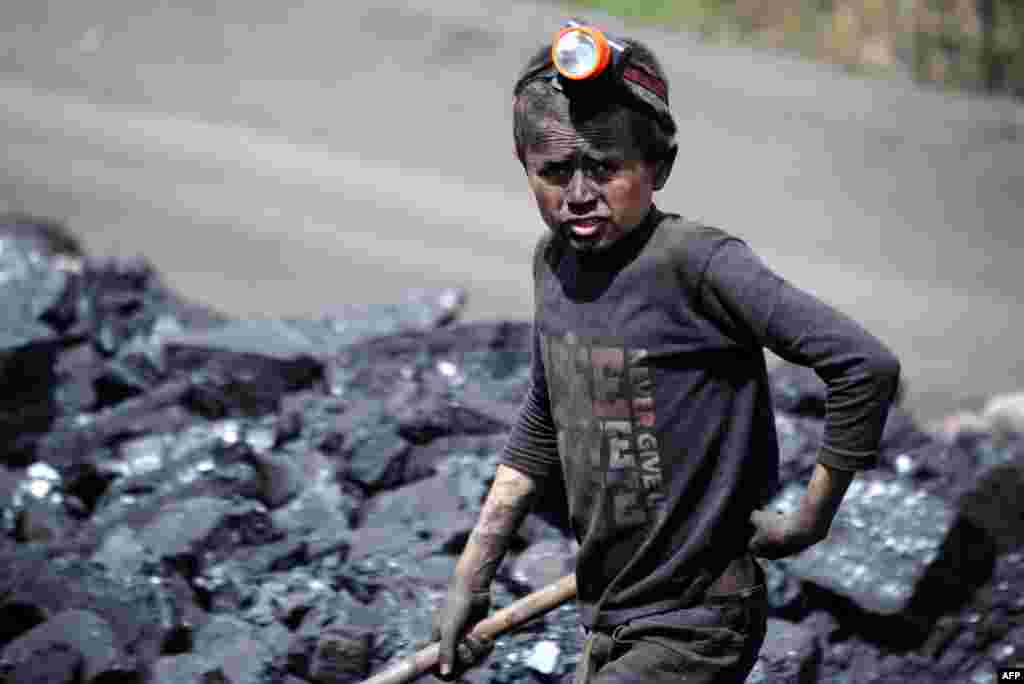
(643,86)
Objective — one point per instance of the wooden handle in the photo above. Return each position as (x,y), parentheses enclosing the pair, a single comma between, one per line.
(502,621)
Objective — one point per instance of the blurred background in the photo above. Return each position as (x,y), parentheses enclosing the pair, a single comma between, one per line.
(977,45)
(278,160)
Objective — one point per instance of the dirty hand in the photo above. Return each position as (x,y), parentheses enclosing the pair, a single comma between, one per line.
(461,610)
(777,535)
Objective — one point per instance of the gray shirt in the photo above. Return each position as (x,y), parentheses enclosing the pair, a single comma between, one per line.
(650,392)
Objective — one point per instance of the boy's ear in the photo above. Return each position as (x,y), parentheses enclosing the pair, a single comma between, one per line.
(664,168)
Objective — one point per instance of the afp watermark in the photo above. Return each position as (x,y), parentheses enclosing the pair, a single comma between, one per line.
(1010,674)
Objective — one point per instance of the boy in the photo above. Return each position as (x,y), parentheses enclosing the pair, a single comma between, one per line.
(650,391)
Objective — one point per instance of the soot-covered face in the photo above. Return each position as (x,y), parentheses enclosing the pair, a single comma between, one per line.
(590,178)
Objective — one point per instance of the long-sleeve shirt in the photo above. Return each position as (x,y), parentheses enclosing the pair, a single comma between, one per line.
(650,392)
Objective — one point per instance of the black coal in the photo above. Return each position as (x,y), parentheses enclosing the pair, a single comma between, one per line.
(189,498)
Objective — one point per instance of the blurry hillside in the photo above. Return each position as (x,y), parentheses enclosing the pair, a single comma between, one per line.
(975,45)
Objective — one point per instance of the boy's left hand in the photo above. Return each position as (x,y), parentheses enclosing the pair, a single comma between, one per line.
(777,535)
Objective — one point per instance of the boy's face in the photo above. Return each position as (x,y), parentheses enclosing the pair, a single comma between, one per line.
(590,180)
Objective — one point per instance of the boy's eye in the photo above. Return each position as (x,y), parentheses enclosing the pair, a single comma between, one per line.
(561,174)
(604,168)
(556,173)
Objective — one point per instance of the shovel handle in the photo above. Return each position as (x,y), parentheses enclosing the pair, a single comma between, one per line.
(500,622)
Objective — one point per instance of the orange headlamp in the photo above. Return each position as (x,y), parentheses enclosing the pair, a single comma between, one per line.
(580,51)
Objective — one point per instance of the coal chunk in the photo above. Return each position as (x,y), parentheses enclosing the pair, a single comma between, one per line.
(981,477)
(85,634)
(790,655)
(39,275)
(227,650)
(143,609)
(122,298)
(436,417)
(189,533)
(243,367)
(418,310)
(364,443)
(993,499)
(440,508)
(56,664)
(78,441)
(225,459)
(78,370)
(423,459)
(992,622)
(341,655)
(901,433)
(542,563)
(892,548)
(324,513)
(494,356)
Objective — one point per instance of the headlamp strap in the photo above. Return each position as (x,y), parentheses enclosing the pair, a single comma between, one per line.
(640,77)
(631,73)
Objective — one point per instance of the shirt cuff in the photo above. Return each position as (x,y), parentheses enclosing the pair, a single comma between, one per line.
(847,460)
(527,466)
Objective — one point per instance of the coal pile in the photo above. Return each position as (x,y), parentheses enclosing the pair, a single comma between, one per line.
(189,498)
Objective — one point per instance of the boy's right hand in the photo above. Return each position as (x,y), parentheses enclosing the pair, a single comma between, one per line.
(461,610)
(777,535)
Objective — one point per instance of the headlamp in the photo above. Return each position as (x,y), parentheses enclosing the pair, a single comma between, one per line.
(580,52)
(582,56)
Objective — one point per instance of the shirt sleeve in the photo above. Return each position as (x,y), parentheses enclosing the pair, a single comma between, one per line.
(860,372)
(532,446)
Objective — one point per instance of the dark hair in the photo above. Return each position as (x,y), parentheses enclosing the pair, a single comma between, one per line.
(537,97)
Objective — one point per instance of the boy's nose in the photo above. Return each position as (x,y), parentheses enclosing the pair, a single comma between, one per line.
(579,191)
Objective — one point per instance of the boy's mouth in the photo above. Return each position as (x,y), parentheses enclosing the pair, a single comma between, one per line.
(585,228)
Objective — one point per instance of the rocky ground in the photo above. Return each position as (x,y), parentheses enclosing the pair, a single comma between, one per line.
(192,499)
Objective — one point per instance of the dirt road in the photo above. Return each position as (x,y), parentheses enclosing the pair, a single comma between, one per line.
(275,161)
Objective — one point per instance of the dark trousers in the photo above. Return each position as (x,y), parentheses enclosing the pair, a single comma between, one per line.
(714,642)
